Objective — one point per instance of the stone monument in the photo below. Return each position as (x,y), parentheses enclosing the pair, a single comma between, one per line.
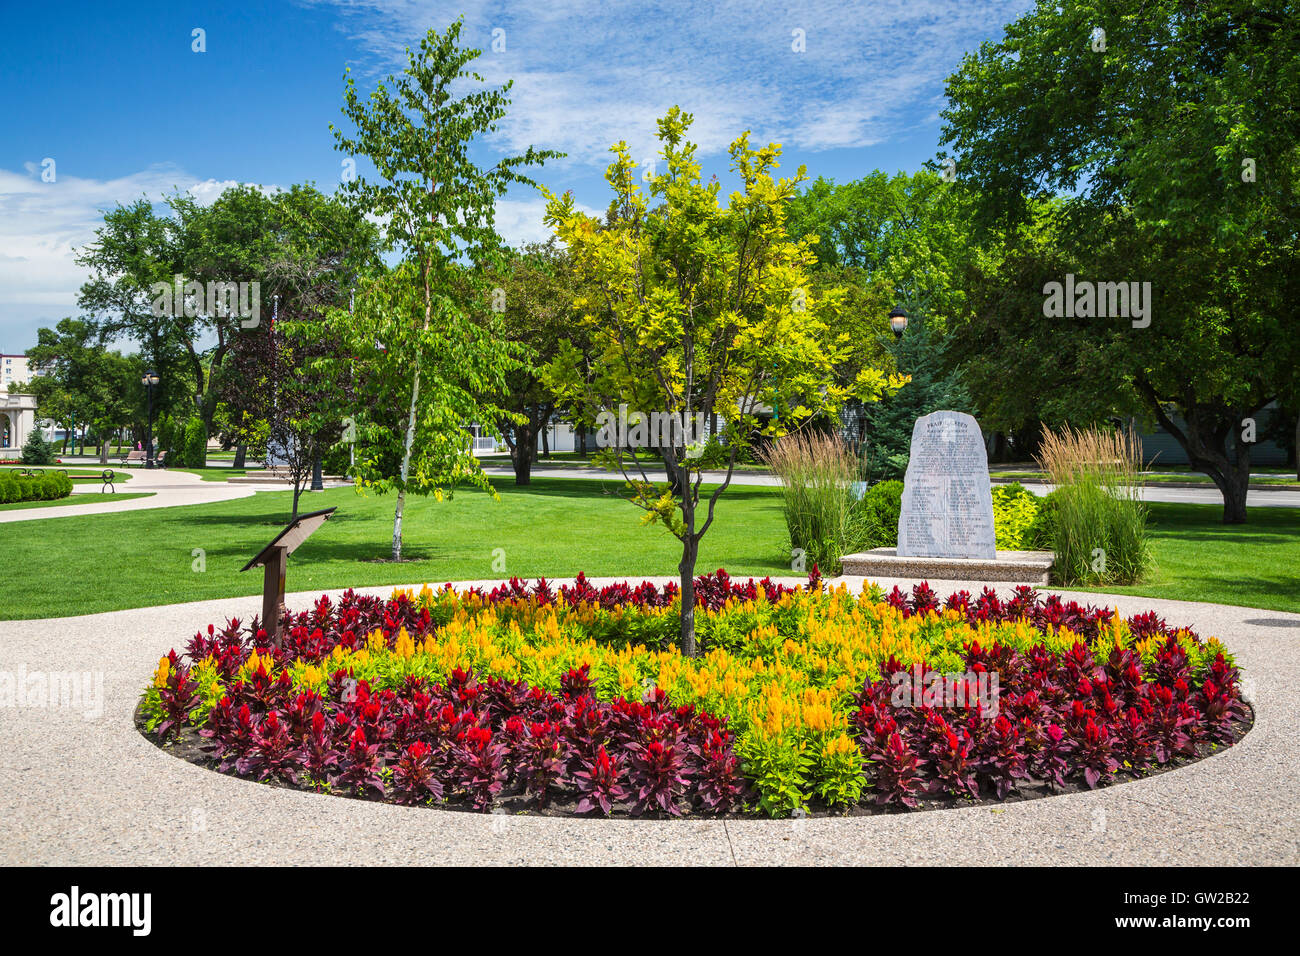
(945,527)
(947,500)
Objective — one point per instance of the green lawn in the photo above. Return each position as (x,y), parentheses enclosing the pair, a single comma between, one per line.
(1198,558)
(554,527)
(85,499)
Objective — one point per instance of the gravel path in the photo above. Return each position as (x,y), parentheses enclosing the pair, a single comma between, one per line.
(75,790)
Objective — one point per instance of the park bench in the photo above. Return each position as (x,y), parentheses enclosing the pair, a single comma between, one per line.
(161,460)
(132,456)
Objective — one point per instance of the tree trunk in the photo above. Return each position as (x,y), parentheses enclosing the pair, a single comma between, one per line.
(297,493)
(523,452)
(1234,488)
(103,451)
(406,467)
(582,439)
(686,573)
(546,438)
(241,455)
(1205,438)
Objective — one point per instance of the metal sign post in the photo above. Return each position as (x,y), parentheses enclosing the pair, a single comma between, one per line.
(274,559)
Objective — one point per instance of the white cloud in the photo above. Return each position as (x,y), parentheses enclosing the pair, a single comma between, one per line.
(588,73)
(520,220)
(42,225)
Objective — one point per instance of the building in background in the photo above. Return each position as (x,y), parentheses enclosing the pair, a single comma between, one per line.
(13,368)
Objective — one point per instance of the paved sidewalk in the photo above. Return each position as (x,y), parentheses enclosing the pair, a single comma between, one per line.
(78,791)
(167,489)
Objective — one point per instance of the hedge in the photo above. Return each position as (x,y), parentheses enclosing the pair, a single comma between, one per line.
(47,487)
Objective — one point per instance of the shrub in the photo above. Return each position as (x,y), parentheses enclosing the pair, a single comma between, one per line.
(1099,524)
(41,487)
(1014,511)
(1042,529)
(882,506)
(192,444)
(36,450)
(165,436)
(515,693)
(817,472)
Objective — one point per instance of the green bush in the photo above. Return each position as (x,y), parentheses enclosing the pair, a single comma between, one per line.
(1014,511)
(190,445)
(44,487)
(37,451)
(821,514)
(1042,529)
(881,507)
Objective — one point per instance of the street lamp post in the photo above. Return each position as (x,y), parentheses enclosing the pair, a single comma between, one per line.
(149,380)
(898,322)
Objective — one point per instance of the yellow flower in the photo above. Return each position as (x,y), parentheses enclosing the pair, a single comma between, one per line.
(840,745)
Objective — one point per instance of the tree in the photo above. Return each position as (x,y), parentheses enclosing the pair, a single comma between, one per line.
(885,427)
(84,383)
(1173,139)
(438,210)
(278,389)
(902,235)
(537,288)
(36,450)
(178,281)
(700,310)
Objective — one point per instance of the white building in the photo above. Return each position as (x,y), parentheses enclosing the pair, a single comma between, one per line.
(17,418)
(13,368)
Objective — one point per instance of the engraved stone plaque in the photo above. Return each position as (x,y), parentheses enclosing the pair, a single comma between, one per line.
(947,500)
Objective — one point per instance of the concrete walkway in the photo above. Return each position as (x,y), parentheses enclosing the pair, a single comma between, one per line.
(166,489)
(93,791)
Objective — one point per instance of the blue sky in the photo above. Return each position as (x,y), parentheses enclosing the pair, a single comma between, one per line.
(116,97)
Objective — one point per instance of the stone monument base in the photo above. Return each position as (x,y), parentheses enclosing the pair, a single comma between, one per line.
(1020,567)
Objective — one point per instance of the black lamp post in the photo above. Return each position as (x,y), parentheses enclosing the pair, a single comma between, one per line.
(149,380)
(898,322)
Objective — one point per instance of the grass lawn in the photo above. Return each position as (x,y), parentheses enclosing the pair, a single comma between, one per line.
(1198,558)
(85,499)
(554,527)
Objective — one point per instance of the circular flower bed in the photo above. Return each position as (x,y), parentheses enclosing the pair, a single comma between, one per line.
(801,700)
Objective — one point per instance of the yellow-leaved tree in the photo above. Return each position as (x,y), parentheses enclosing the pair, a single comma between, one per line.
(697,311)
